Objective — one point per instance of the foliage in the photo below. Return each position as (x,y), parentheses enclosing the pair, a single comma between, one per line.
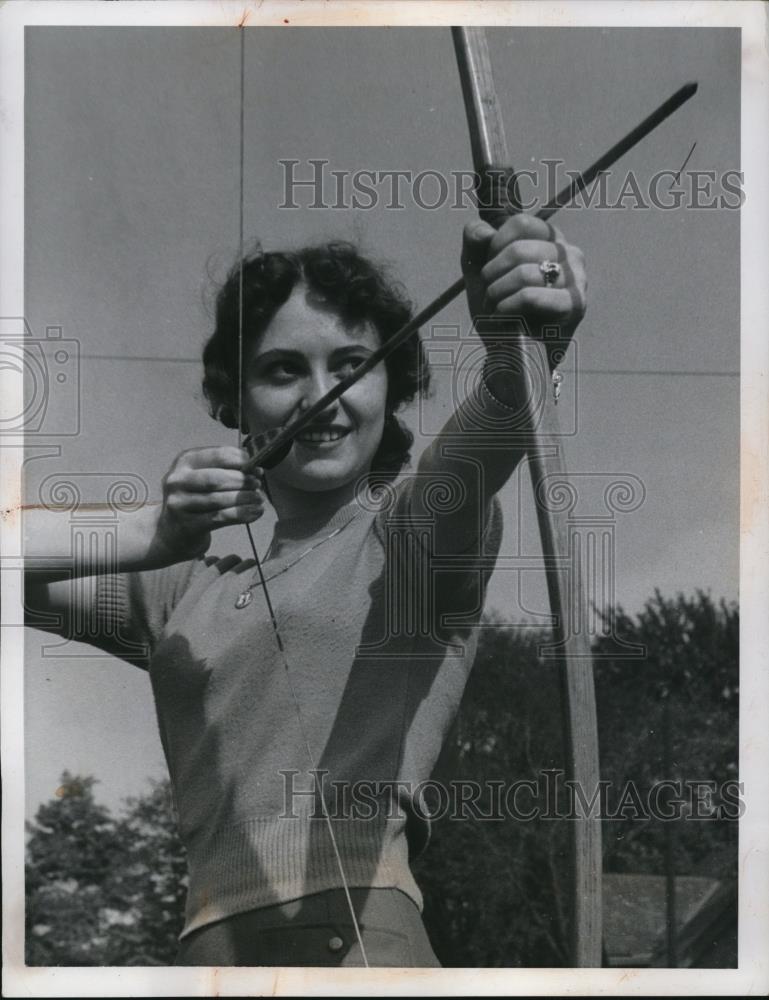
(497,892)
(104,891)
(687,680)
(110,891)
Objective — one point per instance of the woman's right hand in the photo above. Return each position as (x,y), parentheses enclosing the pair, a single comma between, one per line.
(205,489)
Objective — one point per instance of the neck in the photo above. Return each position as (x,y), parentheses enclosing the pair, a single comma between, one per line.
(294,503)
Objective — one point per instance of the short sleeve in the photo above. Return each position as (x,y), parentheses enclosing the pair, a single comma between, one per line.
(125,613)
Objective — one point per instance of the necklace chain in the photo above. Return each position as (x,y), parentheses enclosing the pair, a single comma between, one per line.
(244,598)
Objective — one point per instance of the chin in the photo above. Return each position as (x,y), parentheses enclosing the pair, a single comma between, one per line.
(319,477)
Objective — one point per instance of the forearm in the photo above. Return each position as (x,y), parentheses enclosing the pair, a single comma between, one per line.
(58,546)
(475,454)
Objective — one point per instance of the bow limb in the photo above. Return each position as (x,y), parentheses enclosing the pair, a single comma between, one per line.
(540,420)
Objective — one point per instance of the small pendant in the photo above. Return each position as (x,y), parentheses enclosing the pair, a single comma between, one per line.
(557,379)
(243,600)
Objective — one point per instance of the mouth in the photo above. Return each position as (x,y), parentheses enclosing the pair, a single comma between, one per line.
(319,437)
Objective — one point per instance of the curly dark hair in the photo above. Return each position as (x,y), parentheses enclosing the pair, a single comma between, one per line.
(358,288)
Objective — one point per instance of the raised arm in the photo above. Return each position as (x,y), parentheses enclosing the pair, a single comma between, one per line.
(508,294)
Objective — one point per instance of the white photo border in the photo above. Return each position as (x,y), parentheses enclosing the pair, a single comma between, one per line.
(752,975)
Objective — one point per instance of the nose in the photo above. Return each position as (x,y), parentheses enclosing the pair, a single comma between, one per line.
(315,387)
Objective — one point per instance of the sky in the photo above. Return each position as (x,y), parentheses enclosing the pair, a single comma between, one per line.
(132,214)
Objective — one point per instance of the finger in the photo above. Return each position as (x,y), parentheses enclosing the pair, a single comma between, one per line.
(222,457)
(198,503)
(240,514)
(211,520)
(476,239)
(526,275)
(572,275)
(210,480)
(520,252)
(554,304)
(521,227)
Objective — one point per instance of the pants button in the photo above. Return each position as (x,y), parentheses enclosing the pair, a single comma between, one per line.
(335,944)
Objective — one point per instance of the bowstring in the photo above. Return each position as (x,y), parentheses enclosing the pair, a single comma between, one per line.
(257,560)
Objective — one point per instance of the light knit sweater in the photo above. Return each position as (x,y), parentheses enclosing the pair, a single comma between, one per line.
(379,638)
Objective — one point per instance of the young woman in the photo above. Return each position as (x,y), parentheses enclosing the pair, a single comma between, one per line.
(297,745)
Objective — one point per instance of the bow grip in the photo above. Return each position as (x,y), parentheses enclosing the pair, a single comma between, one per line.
(497,194)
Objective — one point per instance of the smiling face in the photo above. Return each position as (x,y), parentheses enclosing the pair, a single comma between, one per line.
(304,351)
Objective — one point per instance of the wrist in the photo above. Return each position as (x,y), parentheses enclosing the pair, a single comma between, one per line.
(500,377)
(167,544)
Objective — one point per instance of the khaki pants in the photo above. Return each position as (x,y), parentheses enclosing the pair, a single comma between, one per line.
(317,931)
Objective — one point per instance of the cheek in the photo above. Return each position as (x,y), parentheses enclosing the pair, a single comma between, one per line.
(266,407)
(369,402)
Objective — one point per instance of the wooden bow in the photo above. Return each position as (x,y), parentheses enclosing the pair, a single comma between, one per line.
(539,420)
(540,423)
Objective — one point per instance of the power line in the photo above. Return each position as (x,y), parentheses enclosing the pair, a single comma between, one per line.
(140,357)
(657,371)
(689,373)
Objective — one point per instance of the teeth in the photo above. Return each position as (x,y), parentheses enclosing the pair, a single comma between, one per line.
(322,435)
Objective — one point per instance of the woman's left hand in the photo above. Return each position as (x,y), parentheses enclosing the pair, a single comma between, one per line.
(505,282)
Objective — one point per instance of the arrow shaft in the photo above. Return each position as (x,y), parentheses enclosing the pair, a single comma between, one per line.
(486,135)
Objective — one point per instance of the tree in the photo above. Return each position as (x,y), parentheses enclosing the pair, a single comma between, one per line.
(689,673)
(104,891)
(152,886)
(496,892)
(73,848)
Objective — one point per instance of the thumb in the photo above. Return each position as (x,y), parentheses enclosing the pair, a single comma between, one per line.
(476,237)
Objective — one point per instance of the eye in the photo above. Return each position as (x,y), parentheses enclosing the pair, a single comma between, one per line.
(345,366)
(281,370)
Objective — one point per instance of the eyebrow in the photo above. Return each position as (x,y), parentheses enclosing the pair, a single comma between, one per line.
(282,352)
